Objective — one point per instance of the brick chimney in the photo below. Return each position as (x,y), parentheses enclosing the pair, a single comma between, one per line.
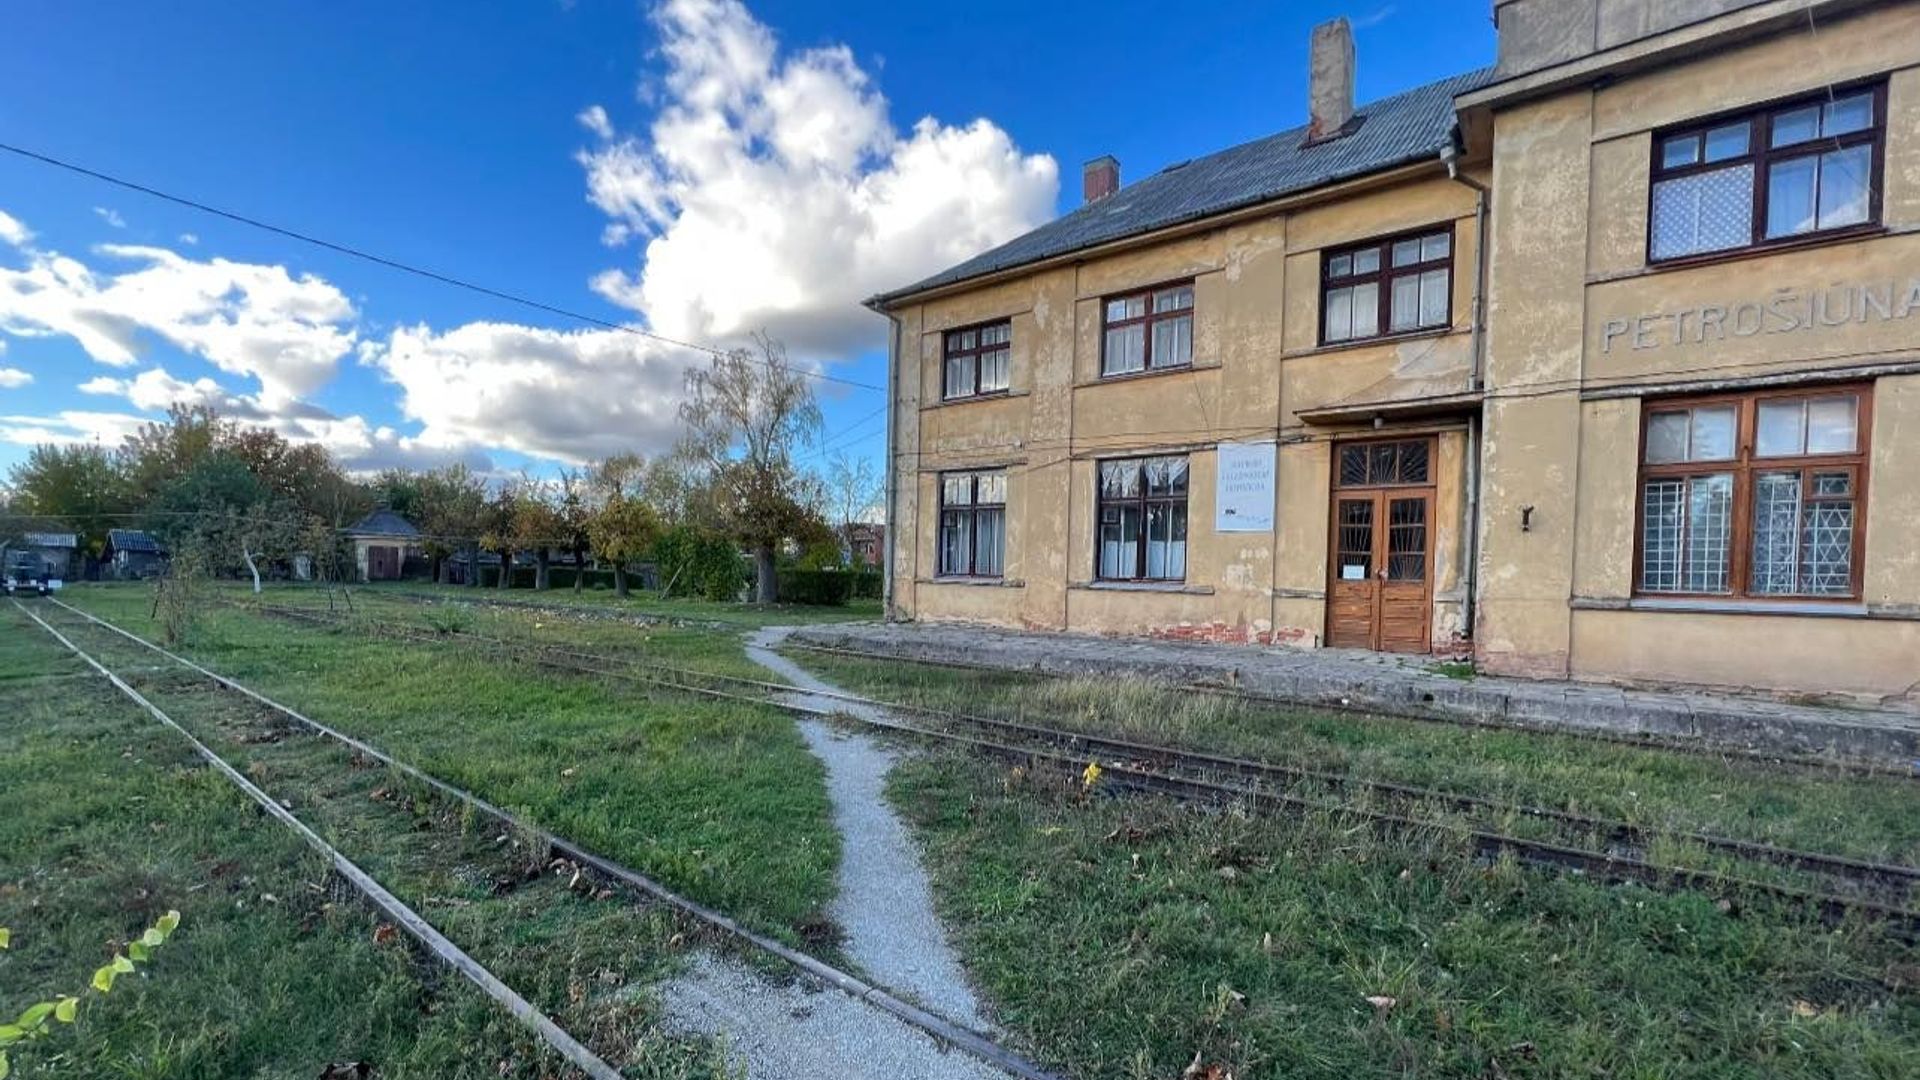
(1099,178)
(1330,85)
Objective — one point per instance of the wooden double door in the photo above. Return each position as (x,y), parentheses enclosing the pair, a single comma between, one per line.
(1380,592)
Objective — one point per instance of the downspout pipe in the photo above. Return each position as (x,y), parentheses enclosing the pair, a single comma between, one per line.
(892,534)
(1477,347)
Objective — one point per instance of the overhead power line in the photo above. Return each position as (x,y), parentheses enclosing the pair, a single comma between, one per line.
(396,264)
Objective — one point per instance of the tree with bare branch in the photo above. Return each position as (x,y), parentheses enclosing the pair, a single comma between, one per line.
(744,414)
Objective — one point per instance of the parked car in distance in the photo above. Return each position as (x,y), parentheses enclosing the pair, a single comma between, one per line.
(26,574)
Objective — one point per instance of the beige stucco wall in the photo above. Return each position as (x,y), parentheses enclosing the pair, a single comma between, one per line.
(1256,363)
(1581,327)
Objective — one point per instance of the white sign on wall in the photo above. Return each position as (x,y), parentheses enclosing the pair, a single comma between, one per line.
(1243,487)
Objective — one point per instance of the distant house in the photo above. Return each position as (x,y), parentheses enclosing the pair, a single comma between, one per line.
(58,551)
(382,542)
(132,555)
(867,540)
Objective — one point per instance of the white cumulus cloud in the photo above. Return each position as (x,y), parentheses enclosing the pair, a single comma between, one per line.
(773,190)
(14,378)
(111,216)
(247,319)
(12,231)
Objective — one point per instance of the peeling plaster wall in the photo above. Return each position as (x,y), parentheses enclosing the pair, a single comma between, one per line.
(1581,327)
(1256,362)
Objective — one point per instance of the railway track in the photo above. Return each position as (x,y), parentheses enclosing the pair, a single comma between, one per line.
(391,906)
(1617,851)
(944,1031)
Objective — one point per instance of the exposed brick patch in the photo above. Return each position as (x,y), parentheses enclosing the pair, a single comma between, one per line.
(1219,632)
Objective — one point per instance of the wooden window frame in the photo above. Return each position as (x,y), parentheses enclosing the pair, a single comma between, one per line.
(972,511)
(1145,502)
(1398,442)
(948,354)
(1146,321)
(1382,279)
(1761,154)
(1744,465)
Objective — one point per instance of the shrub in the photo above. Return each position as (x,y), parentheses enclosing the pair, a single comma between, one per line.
(868,584)
(832,588)
(694,562)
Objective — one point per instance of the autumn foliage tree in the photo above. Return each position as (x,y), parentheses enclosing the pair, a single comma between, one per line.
(745,413)
(622,527)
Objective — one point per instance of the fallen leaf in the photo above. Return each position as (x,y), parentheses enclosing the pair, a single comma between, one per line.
(1805,1009)
(1382,1002)
(384,933)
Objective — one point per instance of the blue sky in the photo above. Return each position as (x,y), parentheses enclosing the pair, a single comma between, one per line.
(696,166)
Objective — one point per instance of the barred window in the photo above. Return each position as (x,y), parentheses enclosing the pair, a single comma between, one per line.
(1758,495)
(1778,173)
(1143,519)
(973,524)
(979,360)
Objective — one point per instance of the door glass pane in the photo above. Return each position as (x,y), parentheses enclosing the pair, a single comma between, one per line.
(1407,540)
(1354,544)
(1783,429)
(1833,425)
(1790,191)
(1709,533)
(1844,178)
(1413,462)
(1126,350)
(1433,298)
(1776,532)
(1712,434)
(1353,466)
(1380,463)
(1666,438)
(1708,211)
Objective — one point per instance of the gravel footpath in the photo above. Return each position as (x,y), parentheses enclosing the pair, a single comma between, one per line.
(800,1030)
(885,905)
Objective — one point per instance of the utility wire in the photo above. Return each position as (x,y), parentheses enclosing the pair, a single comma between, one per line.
(395,264)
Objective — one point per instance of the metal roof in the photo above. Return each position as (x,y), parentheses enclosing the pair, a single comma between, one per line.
(51,540)
(384,523)
(132,540)
(1393,131)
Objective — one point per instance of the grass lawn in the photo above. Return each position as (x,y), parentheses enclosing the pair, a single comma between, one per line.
(1831,811)
(1133,938)
(639,603)
(721,801)
(277,969)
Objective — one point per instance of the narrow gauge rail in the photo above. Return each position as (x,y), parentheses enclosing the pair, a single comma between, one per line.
(1132,767)
(392,906)
(1654,742)
(932,1024)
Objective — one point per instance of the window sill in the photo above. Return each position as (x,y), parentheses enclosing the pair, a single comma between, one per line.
(1849,235)
(1829,609)
(1152,373)
(1384,339)
(975,399)
(1143,586)
(974,582)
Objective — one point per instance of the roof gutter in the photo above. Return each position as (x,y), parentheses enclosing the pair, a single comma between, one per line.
(885,302)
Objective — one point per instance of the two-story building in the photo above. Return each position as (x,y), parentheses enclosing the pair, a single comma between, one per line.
(1600,363)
